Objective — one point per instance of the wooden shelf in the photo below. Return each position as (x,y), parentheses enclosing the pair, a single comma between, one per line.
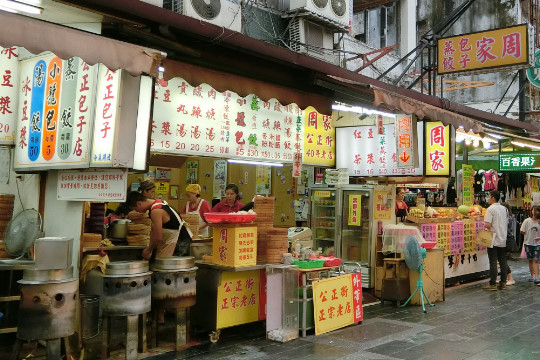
(10,298)
(8,330)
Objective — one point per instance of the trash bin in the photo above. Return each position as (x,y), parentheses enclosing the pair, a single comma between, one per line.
(89,316)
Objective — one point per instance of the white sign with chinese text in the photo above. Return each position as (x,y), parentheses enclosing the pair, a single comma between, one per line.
(55,112)
(366,153)
(9,86)
(108,90)
(201,121)
(92,185)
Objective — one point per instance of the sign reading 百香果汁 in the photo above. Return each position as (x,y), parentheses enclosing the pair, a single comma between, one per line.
(487,51)
(519,162)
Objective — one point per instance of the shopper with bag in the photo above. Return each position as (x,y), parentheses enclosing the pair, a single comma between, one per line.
(496,221)
(531,248)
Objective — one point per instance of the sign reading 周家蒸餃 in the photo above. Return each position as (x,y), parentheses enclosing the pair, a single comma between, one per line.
(519,162)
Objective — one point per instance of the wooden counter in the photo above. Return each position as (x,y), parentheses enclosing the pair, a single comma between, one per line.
(433,277)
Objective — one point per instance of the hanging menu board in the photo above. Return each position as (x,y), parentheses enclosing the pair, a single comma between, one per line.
(319,139)
(55,113)
(9,80)
(468,181)
(366,153)
(201,121)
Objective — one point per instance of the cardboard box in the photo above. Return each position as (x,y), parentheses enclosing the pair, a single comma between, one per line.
(234,245)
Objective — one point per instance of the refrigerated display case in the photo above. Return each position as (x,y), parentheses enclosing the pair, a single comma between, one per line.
(343,224)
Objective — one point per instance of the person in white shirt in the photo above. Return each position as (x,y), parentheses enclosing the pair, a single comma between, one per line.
(532,248)
(496,221)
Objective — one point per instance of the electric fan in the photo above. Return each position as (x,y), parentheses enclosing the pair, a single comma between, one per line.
(413,258)
(21,233)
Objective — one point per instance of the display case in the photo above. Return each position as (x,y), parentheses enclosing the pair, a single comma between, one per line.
(323,220)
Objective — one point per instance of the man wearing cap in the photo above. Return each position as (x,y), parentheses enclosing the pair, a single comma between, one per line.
(197,206)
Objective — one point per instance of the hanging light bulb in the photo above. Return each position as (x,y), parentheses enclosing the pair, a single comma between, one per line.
(476,142)
(459,138)
(467,141)
(487,145)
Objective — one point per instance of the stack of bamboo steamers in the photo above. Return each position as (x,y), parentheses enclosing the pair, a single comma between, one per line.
(271,242)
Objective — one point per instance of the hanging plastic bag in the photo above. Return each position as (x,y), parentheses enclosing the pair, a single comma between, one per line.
(523,253)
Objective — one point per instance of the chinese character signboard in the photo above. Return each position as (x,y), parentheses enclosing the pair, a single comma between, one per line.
(199,120)
(382,206)
(263,180)
(106,116)
(9,86)
(468,180)
(333,303)
(355,213)
(487,50)
(92,185)
(234,245)
(319,135)
(533,74)
(55,113)
(162,189)
(163,174)
(220,178)
(529,162)
(238,298)
(366,153)
(357,297)
(405,141)
(437,149)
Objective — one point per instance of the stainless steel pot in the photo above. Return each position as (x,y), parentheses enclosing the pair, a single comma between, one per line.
(119,228)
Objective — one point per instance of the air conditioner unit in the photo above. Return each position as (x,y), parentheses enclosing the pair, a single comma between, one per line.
(312,39)
(218,12)
(335,12)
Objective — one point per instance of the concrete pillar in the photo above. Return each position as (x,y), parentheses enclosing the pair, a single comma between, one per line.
(407,26)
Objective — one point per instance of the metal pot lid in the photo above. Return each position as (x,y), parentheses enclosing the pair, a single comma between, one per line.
(126,267)
(34,276)
(174,263)
(179,271)
(121,221)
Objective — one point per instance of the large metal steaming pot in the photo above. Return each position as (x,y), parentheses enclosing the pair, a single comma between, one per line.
(47,305)
(126,288)
(173,282)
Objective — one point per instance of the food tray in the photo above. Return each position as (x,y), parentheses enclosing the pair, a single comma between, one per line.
(232,218)
(418,220)
(303,264)
(428,245)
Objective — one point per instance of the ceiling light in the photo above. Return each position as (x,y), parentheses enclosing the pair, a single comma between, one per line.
(498,137)
(22,6)
(521,144)
(467,141)
(249,162)
(487,145)
(476,142)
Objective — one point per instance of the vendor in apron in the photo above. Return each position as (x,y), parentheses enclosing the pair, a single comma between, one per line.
(402,210)
(165,224)
(197,206)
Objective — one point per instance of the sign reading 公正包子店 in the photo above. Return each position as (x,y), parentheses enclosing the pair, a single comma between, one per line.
(487,51)
(529,162)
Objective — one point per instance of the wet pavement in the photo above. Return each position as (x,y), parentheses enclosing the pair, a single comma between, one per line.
(471,324)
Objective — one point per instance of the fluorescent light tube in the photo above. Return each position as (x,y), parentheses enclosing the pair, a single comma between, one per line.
(249,162)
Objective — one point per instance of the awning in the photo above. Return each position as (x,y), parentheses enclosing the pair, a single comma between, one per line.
(39,36)
(421,110)
(243,86)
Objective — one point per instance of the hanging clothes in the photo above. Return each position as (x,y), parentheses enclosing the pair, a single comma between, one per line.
(478,181)
(451,193)
(488,181)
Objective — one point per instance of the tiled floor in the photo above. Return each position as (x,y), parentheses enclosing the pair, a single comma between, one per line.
(471,324)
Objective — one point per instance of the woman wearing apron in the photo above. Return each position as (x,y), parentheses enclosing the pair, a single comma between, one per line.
(402,209)
(197,206)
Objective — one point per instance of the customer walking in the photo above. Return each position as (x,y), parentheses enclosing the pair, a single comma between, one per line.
(510,241)
(496,221)
(529,231)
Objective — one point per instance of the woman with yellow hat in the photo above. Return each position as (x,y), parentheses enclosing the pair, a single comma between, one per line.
(198,206)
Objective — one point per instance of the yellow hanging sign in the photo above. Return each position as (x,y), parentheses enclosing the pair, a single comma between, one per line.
(355,214)
(319,138)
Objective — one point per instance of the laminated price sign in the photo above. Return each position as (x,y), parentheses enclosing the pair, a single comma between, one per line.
(333,303)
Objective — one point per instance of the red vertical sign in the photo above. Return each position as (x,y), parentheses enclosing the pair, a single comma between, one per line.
(357,297)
